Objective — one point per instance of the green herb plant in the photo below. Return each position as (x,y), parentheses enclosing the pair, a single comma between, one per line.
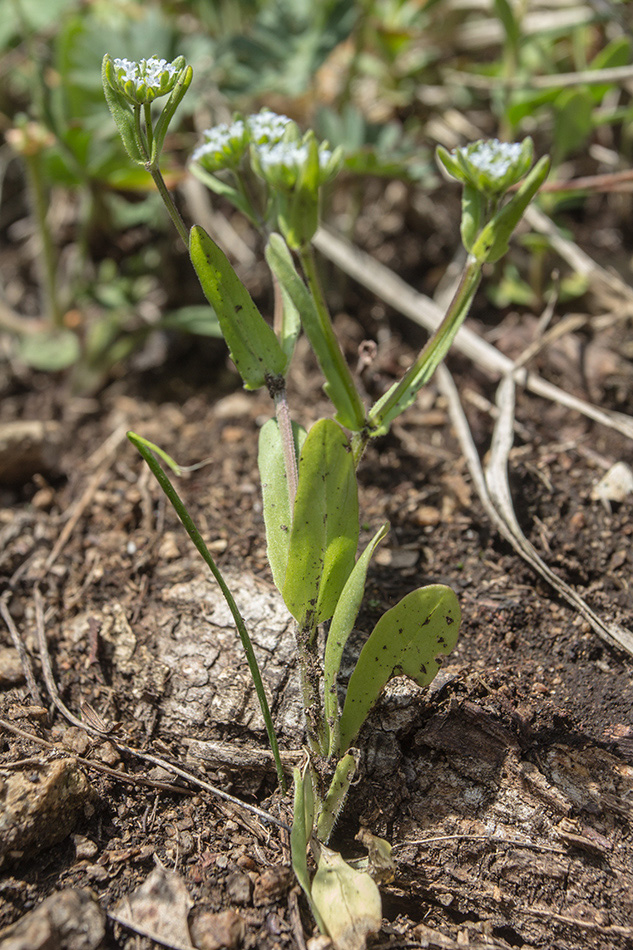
(274,174)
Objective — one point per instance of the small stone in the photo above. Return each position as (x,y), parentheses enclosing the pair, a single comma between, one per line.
(108,754)
(615,485)
(427,516)
(11,672)
(40,808)
(239,887)
(213,931)
(84,847)
(320,942)
(168,549)
(68,920)
(272,884)
(76,740)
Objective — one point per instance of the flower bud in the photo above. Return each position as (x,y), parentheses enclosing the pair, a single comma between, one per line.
(488,165)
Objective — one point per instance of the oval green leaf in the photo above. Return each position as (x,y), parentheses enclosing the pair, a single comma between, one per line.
(277,514)
(406,641)
(252,343)
(325,528)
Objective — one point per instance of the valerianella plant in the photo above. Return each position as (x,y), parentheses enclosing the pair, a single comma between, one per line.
(275,175)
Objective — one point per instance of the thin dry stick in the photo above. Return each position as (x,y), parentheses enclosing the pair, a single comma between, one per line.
(423,311)
(493,839)
(587,77)
(121,747)
(25,659)
(495,498)
(93,764)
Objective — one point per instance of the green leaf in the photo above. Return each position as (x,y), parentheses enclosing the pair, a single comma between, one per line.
(348,901)
(290,324)
(473,209)
(252,343)
(342,624)
(339,384)
(325,526)
(169,109)
(302,819)
(573,121)
(511,26)
(199,320)
(50,351)
(122,115)
(277,514)
(616,53)
(222,188)
(493,242)
(406,641)
(147,450)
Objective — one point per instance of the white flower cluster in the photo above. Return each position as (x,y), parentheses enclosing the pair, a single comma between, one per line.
(220,139)
(493,157)
(291,155)
(148,72)
(267,126)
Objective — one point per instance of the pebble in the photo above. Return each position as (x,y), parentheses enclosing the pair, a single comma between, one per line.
(213,931)
(39,808)
(239,887)
(68,920)
(11,672)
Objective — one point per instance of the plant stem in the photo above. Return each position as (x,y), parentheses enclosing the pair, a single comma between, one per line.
(282,412)
(310,668)
(308,263)
(143,447)
(50,303)
(431,355)
(149,132)
(174,213)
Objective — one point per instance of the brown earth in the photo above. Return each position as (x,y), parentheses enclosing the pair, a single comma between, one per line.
(506,789)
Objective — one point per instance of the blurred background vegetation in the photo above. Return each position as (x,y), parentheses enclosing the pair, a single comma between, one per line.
(91,271)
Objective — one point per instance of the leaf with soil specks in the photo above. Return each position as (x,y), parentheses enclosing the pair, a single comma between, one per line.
(348,900)
(158,910)
(325,528)
(254,348)
(277,514)
(406,641)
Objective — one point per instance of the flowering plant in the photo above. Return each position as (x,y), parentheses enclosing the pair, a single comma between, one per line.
(272,172)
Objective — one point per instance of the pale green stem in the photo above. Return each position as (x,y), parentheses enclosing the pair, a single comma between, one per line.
(149,132)
(431,355)
(51,306)
(308,263)
(282,413)
(168,201)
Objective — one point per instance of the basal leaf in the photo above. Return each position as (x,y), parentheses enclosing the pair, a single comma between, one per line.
(406,641)
(325,527)
(302,818)
(348,901)
(277,514)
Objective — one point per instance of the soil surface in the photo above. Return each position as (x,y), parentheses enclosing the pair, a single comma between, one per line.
(506,789)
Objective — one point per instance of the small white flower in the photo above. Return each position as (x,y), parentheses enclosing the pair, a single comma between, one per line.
(223,144)
(151,72)
(494,157)
(146,80)
(290,155)
(267,126)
